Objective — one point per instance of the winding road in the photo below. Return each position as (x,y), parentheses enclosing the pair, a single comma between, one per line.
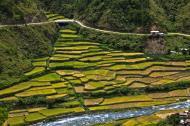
(88,27)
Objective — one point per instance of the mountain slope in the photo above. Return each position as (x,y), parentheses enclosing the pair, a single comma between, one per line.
(19,45)
(20,11)
(126,15)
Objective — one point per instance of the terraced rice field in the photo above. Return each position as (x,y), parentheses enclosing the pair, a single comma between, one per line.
(52,17)
(83,76)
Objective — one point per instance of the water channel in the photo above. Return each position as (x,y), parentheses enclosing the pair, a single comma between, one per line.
(94,118)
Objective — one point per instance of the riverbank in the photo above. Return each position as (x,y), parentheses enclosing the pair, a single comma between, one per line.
(95,118)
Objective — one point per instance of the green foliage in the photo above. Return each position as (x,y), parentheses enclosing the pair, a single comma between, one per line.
(22,11)
(123,42)
(3,114)
(172,120)
(126,15)
(36,100)
(19,45)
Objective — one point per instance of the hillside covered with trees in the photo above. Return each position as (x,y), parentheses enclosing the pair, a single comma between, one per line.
(126,15)
(20,11)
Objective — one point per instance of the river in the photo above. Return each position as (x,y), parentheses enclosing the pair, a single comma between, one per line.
(94,118)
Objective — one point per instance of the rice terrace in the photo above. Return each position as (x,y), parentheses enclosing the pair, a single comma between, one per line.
(72,71)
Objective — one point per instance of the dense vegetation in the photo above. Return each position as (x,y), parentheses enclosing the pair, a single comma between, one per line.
(126,15)
(128,42)
(19,45)
(173,120)
(132,43)
(120,15)
(20,11)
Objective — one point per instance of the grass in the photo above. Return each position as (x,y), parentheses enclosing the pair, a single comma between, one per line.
(124,99)
(70,52)
(31,110)
(84,79)
(96,72)
(128,105)
(135,60)
(48,77)
(137,85)
(39,64)
(60,85)
(16,88)
(9,99)
(60,111)
(67,72)
(64,91)
(69,104)
(39,84)
(96,53)
(59,59)
(150,120)
(75,48)
(131,122)
(92,59)
(57,96)
(179,93)
(144,65)
(119,54)
(56,18)
(100,75)
(118,67)
(71,64)
(68,31)
(16,121)
(41,92)
(161,74)
(99,108)
(67,44)
(69,36)
(75,82)
(80,89)
(41,59)
(94,85)
(92,102)
(120,80)
(107,77)
(33,117)
(155,103)
(163,82)
(79,75)
(36,70)
(65,56)
(159,95)
(49,15)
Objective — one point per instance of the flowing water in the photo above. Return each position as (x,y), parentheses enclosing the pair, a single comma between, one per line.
(94,118)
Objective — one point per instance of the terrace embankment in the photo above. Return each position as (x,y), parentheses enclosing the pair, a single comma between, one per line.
(19,45)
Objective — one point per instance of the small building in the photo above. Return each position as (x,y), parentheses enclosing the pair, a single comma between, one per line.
(183,114)
(187,121)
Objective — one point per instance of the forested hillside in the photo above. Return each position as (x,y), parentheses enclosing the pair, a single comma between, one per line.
(20,11)
(120,15)
(19,45)
(126,15)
